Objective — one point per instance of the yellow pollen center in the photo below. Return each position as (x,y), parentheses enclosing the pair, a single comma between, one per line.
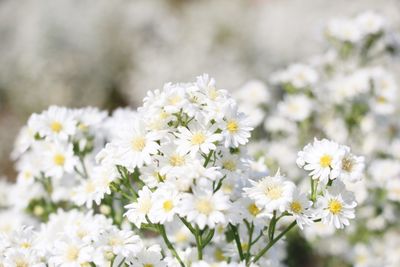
(335,206)
(115,241)
(59,159)
(253,209)
(213,93)
(148,265)
(56,126)
(180,237)
(274,192)
(229,165)
(204,206)
(296,207)
(72,254)
(325,161)
(173,100)
(176,160)
(138,143)
(219,255)
(198,138)
(21,263)
(347,164)
(232,126)
(168,205)
(245,246)
(381,100)
(25,245)
(90,187)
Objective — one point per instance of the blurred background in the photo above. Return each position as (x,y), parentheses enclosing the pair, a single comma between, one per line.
(109,53)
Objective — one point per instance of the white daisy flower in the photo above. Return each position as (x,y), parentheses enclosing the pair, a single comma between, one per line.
(352,167)
(138,210)
(235,127)
(148,257)
(196,138)
(135,145)
(70,252)
(272,193)
(58,158)
(300,208)
(165,204)
(336,205)
(120,242)
(204,207)
(322,159)
(296,107)
(57,123)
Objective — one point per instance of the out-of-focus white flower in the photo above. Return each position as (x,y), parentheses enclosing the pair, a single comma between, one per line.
(295,107)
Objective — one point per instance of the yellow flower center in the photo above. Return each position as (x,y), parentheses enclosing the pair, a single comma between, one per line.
(232,126)
(204,206)
(114,241)
(138,143)
(245,246)
(145,206)
(335,206)
(347,164)
(173,100)
(59,159)
(90,187)
(381,100)
(25,245)
(296,207)
(181,237)
(168,205)
(219,255)
(176,160)
(83,127)
(21,263)
(253,209)
(56,126)
(274,192)
(148,265)
(72,253)
(212,93)
(198,138)
(325,161)
(229,165)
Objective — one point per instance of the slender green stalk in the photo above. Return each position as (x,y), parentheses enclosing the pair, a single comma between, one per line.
(208,238)
(250,229)
(188,226)
(237,240)
(199,243)
(272,242)
(171,248)
(314,186)
(208,158)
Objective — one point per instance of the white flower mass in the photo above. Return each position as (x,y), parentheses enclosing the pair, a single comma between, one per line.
(189,179)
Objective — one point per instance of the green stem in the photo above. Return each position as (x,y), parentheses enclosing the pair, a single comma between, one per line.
(237,240)
(271,229)
(208,158)
(272,242)
(250,229)
(208,238)
(171,248)
(83,167)
(188,225)
(199,243)
(314,186)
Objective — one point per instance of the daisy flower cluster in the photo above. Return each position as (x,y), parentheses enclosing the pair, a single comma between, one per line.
(349,95)
(55,154)
(168,184)
(76,238)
